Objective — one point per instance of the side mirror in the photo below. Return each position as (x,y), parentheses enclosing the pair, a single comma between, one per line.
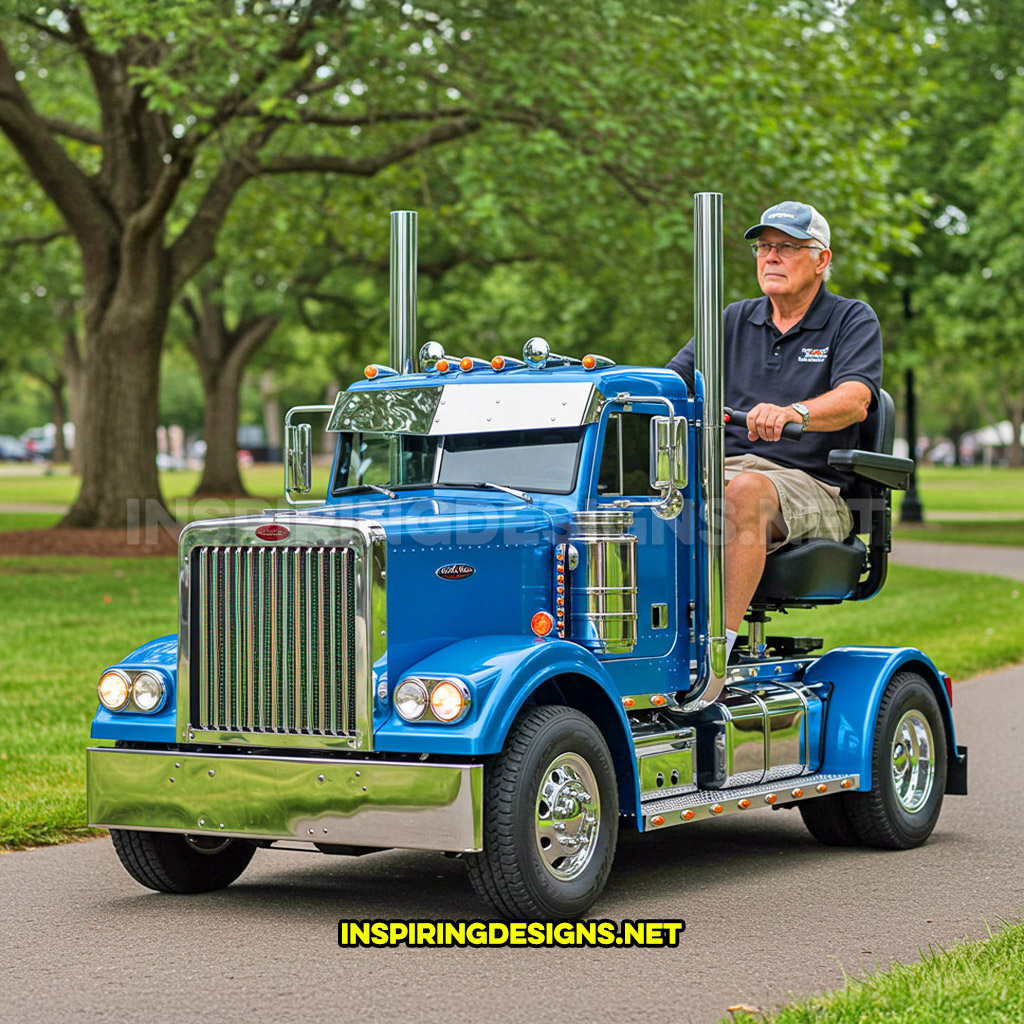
(298,459)
(668,453)
(298,455)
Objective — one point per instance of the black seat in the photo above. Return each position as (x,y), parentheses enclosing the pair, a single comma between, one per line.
(818,571)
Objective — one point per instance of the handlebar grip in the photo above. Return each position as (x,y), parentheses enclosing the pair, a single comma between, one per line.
(790,432)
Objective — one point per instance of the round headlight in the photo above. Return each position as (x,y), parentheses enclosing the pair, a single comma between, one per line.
(114,691)
(147,692)
(411,699)
(447,701)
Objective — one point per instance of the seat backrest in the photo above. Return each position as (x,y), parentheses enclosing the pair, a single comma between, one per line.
(877,433)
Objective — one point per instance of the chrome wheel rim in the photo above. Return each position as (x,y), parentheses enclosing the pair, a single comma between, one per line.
(567,816)
(913,761)
(208,845)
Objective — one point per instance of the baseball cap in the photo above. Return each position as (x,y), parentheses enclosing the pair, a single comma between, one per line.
(796,219)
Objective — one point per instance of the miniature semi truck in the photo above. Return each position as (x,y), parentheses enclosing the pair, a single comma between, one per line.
(502,637)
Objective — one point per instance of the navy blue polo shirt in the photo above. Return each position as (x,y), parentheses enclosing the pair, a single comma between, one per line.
(837,340)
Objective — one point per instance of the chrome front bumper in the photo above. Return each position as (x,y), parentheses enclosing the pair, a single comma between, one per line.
(315,800)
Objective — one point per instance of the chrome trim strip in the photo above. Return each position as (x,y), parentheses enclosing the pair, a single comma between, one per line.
(328,800)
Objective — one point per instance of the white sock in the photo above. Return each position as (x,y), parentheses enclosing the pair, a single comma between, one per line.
(730,640)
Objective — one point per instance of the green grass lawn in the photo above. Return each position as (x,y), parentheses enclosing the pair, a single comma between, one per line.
(62,621)
(973,981)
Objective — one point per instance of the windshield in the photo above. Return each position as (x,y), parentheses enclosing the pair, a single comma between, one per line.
(529,460)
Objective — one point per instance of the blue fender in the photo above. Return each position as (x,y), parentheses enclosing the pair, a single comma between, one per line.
(503,673)
(159,656)
(859,676)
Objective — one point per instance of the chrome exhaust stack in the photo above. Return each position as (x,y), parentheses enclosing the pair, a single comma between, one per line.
(709,331)
(404,356)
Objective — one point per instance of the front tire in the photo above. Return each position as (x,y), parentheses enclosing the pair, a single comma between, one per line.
(908,768)
(168,862)
(551,818)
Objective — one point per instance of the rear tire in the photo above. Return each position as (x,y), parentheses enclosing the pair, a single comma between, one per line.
(168,862)
(551,818)
(908,768)
(828,819)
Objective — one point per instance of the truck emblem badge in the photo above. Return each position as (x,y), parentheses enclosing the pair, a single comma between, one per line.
(455,572)
(272,531)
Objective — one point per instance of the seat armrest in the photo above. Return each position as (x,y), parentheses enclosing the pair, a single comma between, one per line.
(888,470)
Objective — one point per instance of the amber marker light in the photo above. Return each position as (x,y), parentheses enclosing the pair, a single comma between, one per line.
(717,809)
(498,363)
(822,788)
(744,804)
(798,792)
(589,362)
(628,702)
(770,798)
(371,372)
(846,783)
(687,815)
(658,700)
(465,363)
(443,366)
(542,623)
(657,820)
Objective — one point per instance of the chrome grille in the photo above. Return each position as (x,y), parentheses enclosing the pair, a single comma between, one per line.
(273,641)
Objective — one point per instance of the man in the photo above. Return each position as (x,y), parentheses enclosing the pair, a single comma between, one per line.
(798,355)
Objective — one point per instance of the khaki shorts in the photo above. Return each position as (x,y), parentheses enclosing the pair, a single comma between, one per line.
(809,507)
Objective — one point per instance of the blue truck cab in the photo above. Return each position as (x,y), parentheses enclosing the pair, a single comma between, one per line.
(501,637)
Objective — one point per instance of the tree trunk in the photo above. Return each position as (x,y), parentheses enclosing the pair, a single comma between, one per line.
(272,424)
(74,374)
(220,431)
(60,452)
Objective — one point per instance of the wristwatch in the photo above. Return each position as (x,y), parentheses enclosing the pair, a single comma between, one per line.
(805,412)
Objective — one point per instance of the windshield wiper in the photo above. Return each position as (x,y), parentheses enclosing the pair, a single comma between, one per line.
(367,487)
(508,490)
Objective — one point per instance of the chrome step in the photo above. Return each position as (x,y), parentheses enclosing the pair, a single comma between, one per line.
(706,803)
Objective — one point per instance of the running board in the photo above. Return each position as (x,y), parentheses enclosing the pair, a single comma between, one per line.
(706,803)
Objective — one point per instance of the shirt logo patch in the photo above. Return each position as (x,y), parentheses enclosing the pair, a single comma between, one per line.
(813,355)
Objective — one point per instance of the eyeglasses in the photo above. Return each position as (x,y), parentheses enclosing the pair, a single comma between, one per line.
(787,250)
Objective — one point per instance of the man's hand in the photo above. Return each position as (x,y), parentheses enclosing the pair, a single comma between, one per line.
(765,421)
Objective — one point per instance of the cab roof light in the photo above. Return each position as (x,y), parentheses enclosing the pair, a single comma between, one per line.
(467,363)
(593,362)
(442,366)
(506,363)
(375,370)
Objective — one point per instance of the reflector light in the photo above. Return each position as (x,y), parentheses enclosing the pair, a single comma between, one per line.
(589,362)
(770,798)
(628,702)
(949,687)
(821,787)
(717,809)
(744,804)
(657,700)
(687,815)
(542,623)
(498,363)
(442,366)
(798,792)
(657,820)
(371,372)
(465,363)
(846,783)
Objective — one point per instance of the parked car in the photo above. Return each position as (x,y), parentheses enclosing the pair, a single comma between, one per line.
(12,450)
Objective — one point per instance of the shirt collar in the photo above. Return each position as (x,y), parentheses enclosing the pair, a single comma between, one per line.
(814,319)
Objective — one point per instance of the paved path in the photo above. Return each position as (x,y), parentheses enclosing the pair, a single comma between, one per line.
(990,558)
(768,912)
